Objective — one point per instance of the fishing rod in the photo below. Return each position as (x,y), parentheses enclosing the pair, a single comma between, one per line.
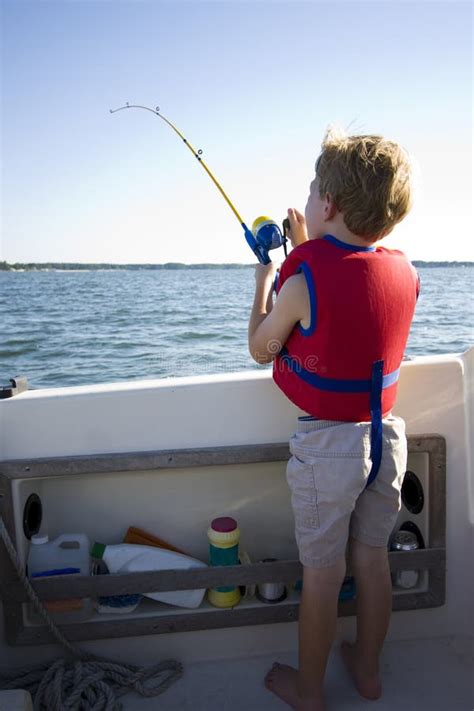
(265,233)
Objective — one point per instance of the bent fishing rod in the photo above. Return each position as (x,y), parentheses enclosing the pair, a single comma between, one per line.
(265,233)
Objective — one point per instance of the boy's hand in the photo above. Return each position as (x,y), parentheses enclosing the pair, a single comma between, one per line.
(298,232)
(265,273)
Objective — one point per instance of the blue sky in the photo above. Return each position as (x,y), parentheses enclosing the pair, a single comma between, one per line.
(254,84)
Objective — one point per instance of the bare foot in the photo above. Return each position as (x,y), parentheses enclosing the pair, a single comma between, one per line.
(368,686)
(281,680)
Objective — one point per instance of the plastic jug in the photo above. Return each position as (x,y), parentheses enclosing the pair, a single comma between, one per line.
(68,554)
(130,558)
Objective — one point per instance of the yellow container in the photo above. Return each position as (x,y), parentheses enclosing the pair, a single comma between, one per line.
(224,536)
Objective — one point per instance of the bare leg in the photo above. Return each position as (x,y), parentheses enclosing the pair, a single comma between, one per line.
(374,607)
(303,689)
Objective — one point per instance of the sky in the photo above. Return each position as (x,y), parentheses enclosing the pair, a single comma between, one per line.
(254,84)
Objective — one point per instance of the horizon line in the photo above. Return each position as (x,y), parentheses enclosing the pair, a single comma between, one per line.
(5,265)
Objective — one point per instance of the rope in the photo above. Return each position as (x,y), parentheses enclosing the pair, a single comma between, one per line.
(86,682)
(64,685)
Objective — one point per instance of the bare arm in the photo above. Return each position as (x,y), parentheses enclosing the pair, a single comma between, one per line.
(271,324)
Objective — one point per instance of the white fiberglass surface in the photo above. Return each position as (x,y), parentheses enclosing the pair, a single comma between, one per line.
(417,675)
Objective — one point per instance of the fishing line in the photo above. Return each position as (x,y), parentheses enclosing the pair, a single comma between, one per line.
(265,233)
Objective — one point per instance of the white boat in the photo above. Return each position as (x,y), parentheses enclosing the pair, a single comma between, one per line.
(171,455)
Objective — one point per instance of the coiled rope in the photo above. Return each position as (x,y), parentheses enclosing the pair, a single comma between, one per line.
(85,682)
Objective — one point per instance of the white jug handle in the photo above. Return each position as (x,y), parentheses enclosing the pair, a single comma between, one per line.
(80,538)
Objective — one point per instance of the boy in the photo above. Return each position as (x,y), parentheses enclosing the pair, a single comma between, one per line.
(336,335)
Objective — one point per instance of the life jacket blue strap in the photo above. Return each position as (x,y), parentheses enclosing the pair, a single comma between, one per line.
(374,386)
(337,385)
(376,420)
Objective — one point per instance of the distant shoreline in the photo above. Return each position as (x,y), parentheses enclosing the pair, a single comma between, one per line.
(74,266)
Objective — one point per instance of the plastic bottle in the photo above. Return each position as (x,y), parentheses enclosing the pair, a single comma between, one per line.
(224,536)
(68,554)
(130,558)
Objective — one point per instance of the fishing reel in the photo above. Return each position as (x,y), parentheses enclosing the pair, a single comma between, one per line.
(266,235)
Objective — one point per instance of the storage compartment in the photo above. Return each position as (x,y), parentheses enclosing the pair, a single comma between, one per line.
(414,515)
(174,495)
(175,504)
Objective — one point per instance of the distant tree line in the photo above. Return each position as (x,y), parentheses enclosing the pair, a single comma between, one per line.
(43,266)
(66,266)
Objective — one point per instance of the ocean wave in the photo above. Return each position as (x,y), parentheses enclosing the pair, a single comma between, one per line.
(87,328)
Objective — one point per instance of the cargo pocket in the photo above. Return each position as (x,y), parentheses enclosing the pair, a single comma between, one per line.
(304,497)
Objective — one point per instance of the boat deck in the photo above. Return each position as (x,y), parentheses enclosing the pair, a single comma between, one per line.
(417,675)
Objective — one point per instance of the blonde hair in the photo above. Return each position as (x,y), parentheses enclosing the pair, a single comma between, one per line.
(368,177)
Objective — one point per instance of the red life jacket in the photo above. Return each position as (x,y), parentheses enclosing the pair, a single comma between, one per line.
(345,365)
(362,304)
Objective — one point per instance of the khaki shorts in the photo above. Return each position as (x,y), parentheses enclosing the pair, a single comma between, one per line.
(327,475)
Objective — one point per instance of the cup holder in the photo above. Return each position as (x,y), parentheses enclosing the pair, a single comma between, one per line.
(413,528)
(32,516)
(413,496)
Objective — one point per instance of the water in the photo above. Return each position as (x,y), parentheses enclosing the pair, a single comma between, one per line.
(78,328)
